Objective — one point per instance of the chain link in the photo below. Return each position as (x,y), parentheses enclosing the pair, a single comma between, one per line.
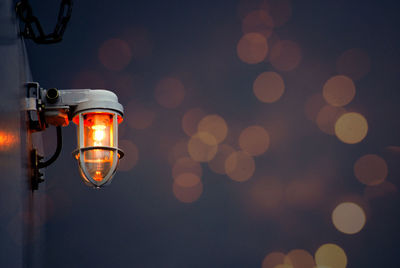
(32,28)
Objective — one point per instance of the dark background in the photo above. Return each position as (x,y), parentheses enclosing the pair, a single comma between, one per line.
(137,221)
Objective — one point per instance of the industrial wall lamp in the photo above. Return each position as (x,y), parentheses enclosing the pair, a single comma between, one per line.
(96,113)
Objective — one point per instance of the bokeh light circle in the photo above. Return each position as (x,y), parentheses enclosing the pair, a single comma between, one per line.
(187,180)
(258,21)
(254,140)
(371,169)
(214,125)
(330,255)
(339,90)
(191,119)
(187,194)
(268,87)
(252,48)
(285,55)
(284,266)
(348,218)
(186,165)
(169,92)
(273,259)
(327,118)
(351,128)
(202,147)
(240,166)
(115,54)
(217,164)
(299,258)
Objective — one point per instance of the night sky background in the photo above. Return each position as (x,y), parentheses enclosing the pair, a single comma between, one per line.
(139,221)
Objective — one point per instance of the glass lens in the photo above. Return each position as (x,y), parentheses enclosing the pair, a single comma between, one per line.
(98,129)
(98,163)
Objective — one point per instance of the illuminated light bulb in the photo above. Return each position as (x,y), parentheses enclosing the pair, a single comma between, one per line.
(99,155)
(96,113)
(99,133)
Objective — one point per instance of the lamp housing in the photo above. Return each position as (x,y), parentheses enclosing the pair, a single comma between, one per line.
(96,113)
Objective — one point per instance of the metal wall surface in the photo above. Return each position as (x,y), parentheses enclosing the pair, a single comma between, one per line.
(20,210)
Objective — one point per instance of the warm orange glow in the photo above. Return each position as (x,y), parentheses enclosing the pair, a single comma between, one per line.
(299,258)
(115,54)
(351,128)
(98,163)
(215,125)
(187,180)
(258,21)
(187,194)
(354,63)
(191,119)
(254,140)
(371,169)
(268,87)
(327,117)
(217,164)
(98,131)
(285,55)
(202,147)
(273,259)
(240,166)
(284,266)
(330,255)
(169,92)
(186,165)
(7,140)
(348,218)
(339,90)
(252,48)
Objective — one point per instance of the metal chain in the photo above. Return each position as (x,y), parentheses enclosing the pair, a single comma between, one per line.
(32,28)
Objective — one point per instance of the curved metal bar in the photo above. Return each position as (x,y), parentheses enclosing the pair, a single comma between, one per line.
(120,152)
(56,153)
